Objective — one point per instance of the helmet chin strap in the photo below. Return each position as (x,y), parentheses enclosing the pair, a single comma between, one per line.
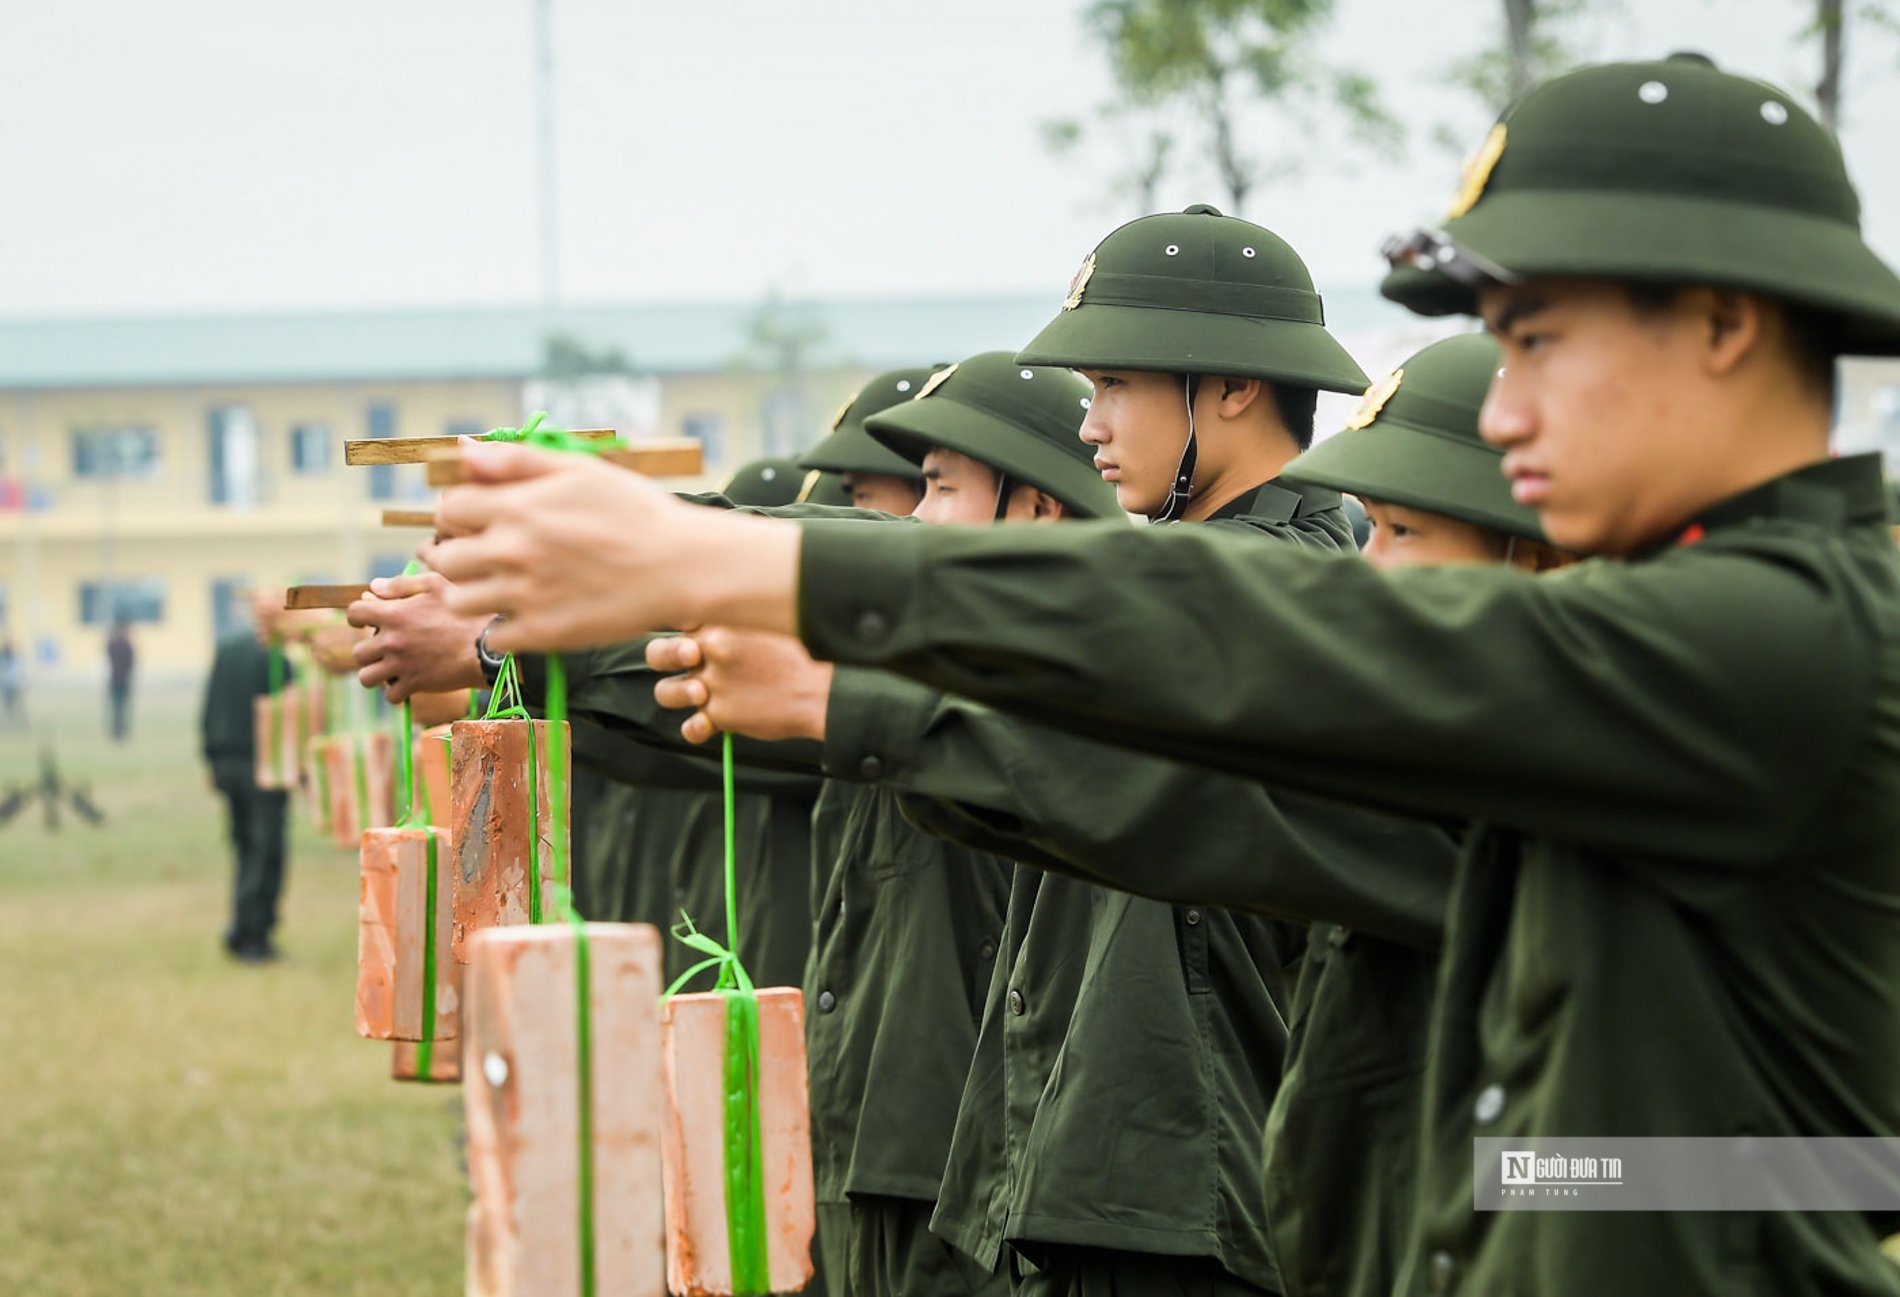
(1183,486)
(1003,489)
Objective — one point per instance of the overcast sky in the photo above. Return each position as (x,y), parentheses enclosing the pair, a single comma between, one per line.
(230,154)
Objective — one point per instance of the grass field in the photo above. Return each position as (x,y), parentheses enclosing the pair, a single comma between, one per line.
(171,1122)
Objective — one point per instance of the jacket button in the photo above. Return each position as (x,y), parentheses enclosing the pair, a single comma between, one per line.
(873,626)
(826,1001)
(1444,1271)
(1193,917)
(1016,1004)
(1336,936)
(1490,1104)
(987,950)
(870,767)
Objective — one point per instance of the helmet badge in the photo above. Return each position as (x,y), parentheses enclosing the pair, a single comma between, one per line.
(1080,282)
(937,380)
(1374,400)
(1478,173)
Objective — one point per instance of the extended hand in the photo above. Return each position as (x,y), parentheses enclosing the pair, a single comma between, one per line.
(578,553)
(754,683)
(420,645)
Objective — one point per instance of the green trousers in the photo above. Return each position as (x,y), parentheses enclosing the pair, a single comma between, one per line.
(883,1247)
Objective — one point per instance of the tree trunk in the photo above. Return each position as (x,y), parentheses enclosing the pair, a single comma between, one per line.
(1831,17)
(1520,18)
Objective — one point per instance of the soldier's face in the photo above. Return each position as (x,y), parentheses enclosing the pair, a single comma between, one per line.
(1596,411)
(1137,422)
(958,490)
(1403,537)
(885,492)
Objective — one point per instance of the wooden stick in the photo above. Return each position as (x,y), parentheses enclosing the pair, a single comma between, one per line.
(324,596)
(409,518)
(663,457)
(415,450)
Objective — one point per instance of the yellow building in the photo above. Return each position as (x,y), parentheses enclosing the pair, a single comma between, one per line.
(154,469)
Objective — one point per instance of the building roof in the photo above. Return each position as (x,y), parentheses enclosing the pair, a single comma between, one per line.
(509,342)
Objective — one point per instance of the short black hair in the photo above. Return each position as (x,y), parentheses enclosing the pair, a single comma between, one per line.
(1295,406)
(1814,337)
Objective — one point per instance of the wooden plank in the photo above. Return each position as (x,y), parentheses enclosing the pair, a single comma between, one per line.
(409,518)
(521,1098)
(489,823)
(394,927)
(414,450)
(324,596)
(693,1044)
(662,457)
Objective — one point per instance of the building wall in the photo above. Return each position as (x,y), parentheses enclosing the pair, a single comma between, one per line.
(161,521)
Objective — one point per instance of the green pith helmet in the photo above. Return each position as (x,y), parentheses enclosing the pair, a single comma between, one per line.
(849,449)
(1669,172)
(765,483)
(824,488)
(1414,442)
(1024,421)
(1196,292)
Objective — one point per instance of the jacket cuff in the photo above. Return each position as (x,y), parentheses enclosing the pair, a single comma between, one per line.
(873,725)
(854,597)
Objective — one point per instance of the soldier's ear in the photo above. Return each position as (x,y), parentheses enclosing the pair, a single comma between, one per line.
(1238,395)
(1048,508)
(1733,324)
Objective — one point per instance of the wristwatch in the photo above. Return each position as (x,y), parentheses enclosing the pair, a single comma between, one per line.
(490,660)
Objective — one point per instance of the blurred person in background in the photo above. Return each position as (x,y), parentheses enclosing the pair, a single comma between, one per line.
(11,674)
(120,658)
(240,674)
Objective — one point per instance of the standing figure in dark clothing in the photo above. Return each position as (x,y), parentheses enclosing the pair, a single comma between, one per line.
(119,660)
(11,672)
(240,673)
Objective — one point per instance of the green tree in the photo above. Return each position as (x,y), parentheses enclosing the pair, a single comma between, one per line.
(565,356)
(1219,59)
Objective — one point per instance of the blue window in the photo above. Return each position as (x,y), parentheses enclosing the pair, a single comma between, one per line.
(310,448)
(115,453)
(709,430)
(382,477)
(101,603)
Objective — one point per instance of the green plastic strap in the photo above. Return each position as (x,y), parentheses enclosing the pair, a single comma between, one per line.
(562,893)
(746,1246)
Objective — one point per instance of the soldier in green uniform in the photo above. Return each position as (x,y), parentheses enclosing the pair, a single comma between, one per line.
(1197,401)
(257,817)
(1676,915)
(872,477)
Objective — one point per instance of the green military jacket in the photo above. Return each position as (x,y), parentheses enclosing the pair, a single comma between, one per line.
(1085,971)
(1338,1204)
(1679,910)
(906,936)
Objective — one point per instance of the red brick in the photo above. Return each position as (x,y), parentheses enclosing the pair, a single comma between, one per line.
(394,925)
(489,824)
(521,1098)
(693,1034)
